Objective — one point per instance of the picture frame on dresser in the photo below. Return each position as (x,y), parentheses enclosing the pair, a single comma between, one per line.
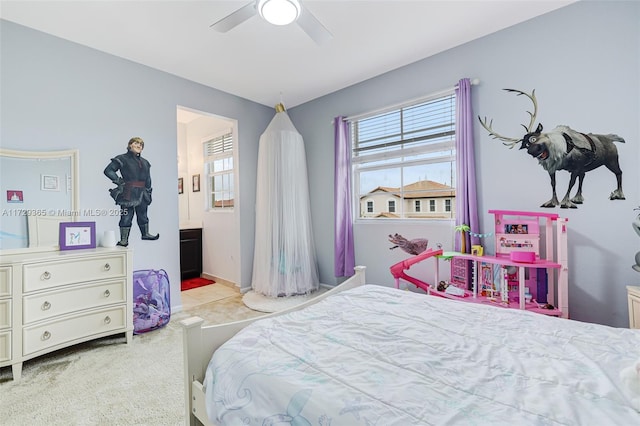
(77,235)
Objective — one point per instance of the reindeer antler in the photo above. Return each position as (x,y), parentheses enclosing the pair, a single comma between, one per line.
(511,142)
(533,115)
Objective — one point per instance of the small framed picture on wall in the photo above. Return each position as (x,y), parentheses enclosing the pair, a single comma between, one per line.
(14,196)
(195,180)
(49,183)
(180,186)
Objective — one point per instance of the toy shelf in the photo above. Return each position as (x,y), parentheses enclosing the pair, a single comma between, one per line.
(505,261)
(473,296)
(529,306)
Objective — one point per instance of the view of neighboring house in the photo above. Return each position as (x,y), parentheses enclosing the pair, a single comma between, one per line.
(424,199)
(221,204)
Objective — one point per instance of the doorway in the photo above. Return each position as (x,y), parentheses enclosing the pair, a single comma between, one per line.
(199,197)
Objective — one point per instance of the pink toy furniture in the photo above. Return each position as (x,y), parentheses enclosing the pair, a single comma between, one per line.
(398,270)
(461,273)
(517,264)
(518,243)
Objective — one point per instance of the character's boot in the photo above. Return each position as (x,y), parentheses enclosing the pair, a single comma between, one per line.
(124,236)
(144,229)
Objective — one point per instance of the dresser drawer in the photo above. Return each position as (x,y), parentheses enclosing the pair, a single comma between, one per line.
(5,313)
(43,276)
(40,306)
(5,281)
(5,346)
(65,330)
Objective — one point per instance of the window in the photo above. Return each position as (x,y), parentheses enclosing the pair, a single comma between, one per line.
(218,157)
(407,152)
(447,205)
(369,206)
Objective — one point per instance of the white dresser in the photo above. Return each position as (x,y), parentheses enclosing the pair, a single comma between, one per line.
(51,300)
(633,298)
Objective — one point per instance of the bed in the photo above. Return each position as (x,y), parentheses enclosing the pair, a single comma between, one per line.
(373,355)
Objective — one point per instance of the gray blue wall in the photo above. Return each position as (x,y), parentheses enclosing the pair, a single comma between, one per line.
(584,62)
(60,95)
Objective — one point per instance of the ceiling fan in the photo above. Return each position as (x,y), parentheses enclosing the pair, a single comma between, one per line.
(277,12)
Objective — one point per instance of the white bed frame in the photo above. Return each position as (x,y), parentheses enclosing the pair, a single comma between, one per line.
(199,343)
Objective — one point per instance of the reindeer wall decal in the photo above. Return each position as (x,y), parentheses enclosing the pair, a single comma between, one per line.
(565,149)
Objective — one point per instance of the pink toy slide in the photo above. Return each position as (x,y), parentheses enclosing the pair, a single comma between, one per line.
(398,269)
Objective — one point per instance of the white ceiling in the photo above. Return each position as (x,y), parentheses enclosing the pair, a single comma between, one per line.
(265,63)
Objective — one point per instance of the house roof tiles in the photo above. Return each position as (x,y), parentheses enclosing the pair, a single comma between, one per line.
(420,189)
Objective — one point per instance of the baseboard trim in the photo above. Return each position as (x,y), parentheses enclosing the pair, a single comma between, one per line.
(221,281)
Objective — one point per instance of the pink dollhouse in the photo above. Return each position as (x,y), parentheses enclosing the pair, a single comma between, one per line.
(528,271)
(520,274)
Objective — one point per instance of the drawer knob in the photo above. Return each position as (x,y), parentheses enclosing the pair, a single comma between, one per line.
(46,306)
(107,293)
(107,267)
(46,275)
(46,335)
(107,319)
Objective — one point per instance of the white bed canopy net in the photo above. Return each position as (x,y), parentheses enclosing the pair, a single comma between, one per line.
(284,260)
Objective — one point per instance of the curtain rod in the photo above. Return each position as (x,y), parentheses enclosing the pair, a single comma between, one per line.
(474,82)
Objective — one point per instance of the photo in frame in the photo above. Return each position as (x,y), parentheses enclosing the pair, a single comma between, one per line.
(77,235)
(15,196)
(195,181)
(180,186)
(49,183)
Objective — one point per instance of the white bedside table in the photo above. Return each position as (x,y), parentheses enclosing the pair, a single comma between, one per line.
(633,296)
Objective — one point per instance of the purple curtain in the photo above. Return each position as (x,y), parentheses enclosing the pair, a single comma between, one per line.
(344,261)
(466,199)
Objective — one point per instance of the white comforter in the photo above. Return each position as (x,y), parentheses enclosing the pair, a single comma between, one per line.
(380,356)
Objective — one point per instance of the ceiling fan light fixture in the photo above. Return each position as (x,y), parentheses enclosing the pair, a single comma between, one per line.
(279,12)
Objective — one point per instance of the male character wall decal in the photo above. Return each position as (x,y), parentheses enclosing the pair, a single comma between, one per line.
(133,190)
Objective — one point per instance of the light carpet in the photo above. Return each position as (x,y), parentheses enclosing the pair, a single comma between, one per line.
(106,381)
(262,303)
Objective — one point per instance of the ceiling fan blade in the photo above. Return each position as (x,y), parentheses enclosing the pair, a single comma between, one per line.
(236,18)
(313,27)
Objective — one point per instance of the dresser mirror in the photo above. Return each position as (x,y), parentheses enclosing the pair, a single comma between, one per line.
(38,190)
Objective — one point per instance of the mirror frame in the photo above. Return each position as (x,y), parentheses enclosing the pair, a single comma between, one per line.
(74,156)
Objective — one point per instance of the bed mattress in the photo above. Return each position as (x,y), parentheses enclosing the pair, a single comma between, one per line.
(375,355)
